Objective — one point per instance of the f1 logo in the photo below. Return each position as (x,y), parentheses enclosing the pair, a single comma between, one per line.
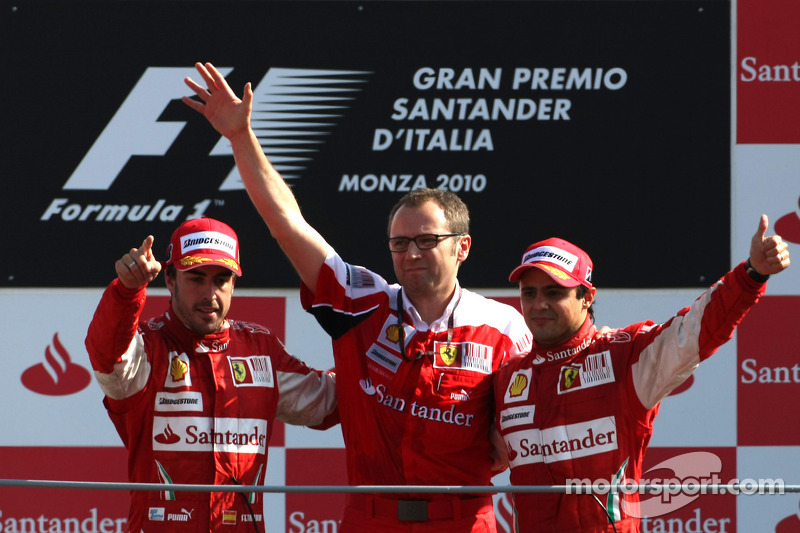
(281,95)
(135,129)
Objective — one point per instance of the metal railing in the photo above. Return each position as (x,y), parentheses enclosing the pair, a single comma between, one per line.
(627,487)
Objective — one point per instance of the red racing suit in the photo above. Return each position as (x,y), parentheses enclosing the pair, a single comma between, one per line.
(584,409)
(197,410)
(424,422)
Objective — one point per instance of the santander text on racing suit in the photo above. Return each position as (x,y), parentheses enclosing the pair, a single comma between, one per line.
(584,409)
(195,409)
(423,422)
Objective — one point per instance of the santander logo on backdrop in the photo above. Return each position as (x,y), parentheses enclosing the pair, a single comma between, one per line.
(788,226)
(768,74)
(57,375)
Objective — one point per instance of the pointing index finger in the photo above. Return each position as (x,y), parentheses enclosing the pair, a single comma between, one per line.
(147,247)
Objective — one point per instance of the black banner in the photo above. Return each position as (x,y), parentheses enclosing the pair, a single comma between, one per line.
(606,123)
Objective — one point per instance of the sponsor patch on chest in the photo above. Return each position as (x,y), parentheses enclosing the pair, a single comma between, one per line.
(562,443)
(516,416)
(595,370)
(383,357)
(179,401)
(204,434)
(519,386)
(252,371)
(178,373)
(463,356)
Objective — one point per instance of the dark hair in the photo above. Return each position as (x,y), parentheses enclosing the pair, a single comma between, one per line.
(580,292)
(455,210)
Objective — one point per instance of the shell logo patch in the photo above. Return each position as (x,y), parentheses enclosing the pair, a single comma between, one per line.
(178,369)
(393,333)
(179,372)
(518,386)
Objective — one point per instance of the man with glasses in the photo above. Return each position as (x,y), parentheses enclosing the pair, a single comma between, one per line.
(414,360)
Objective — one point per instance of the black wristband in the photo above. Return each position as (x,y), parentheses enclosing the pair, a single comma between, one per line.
(754,274)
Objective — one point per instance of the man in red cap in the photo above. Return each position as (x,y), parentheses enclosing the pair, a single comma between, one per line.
(581,405)
(193,395)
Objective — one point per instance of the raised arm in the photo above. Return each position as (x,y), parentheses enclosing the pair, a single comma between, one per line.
(230,116)
(115,349)
(673,350)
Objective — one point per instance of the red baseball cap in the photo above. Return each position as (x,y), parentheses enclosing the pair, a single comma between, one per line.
(568,265)
(204,241)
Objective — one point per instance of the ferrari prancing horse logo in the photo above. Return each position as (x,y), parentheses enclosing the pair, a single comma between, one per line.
(469,356)
(569,376)
(239,371)
(448,353)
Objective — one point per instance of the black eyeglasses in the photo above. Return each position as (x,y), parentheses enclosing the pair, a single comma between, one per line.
(426,241)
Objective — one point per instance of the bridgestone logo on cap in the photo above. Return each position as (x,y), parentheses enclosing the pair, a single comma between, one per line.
(550,254)
(204,240)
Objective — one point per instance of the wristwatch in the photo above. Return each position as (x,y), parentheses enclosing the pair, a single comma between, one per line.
(753,273)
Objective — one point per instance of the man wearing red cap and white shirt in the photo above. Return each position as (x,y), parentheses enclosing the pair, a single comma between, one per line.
(193,395)
(581,404)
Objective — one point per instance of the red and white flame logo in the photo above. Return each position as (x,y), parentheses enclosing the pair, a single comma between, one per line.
(788,226)
(167,436)
(57,375)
